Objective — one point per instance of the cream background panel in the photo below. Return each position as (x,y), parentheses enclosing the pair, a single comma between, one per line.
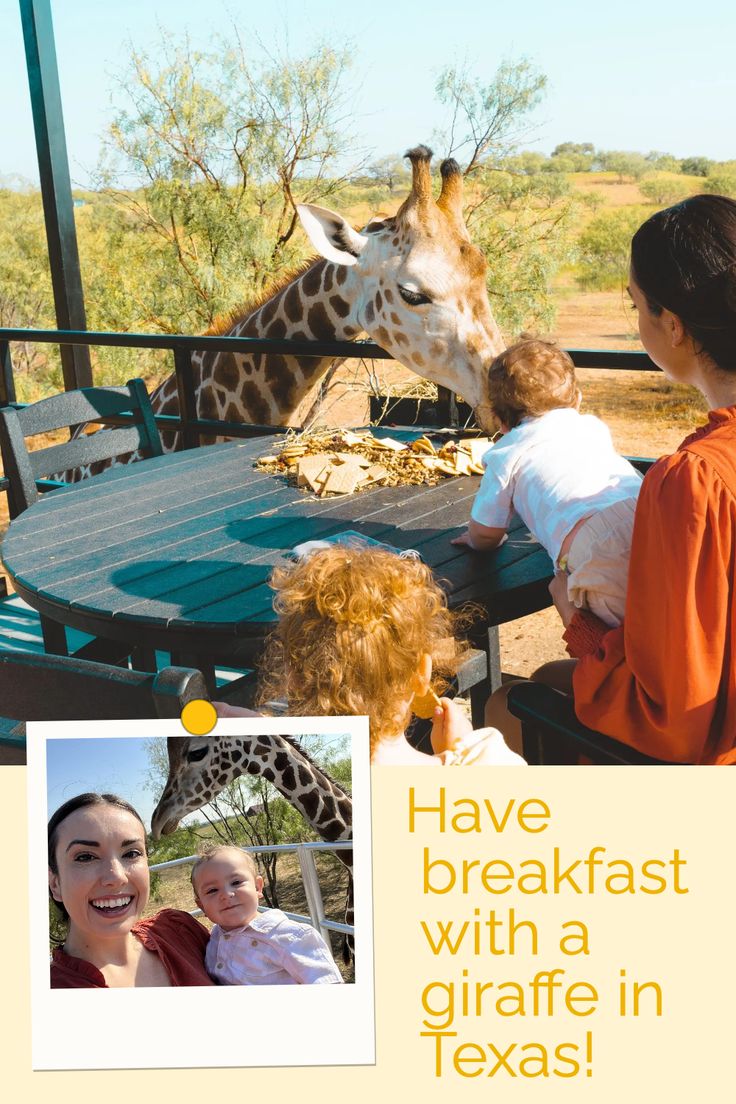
(683,942)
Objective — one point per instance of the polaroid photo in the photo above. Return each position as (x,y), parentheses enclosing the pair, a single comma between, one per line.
(221,881)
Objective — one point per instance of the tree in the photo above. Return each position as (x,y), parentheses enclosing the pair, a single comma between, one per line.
(604,248)
(391,172)
(219,146)
(579,155)
(695,166)
(521,218)
(487,119)
(624,163)
(721,182)
(663,162)
(26,298)
(663,189)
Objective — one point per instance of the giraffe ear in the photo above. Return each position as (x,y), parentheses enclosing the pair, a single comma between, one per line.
(330,234)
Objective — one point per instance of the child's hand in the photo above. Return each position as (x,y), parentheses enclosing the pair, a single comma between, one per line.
(449,726)
(558,590)
(222,709)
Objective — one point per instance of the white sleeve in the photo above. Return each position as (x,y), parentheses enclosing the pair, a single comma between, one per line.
(493,505)
(306,956)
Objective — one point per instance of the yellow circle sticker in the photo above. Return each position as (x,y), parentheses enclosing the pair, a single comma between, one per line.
(199,717)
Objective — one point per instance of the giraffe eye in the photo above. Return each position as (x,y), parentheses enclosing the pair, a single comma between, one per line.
(197,755)
(413,298)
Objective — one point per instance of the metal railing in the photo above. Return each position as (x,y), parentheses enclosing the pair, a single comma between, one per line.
(446,410)
(310,879)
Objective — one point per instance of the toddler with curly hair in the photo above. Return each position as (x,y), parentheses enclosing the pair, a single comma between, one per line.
(363,631)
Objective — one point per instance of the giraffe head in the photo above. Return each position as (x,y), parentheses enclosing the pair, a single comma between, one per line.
(199,768)
(417,282)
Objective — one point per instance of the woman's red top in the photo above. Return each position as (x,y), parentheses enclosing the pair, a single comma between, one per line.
(176,937)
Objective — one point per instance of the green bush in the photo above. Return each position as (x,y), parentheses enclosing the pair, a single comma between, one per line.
(604,248)
(721,183)
(663,189)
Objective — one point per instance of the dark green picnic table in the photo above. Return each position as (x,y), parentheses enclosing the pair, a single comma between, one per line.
(174,553)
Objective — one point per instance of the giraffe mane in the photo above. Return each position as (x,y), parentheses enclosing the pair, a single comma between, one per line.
(303,751)
(228,319)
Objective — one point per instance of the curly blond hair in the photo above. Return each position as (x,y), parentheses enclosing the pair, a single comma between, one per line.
(353,624)
(530,378)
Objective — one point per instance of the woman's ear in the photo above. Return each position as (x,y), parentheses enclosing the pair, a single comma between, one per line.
(54,886)
(677,331)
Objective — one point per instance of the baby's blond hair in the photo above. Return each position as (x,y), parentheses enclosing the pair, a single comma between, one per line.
(530,378)
(210,851)
(353,624)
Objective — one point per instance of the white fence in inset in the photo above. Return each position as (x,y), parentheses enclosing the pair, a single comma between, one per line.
(310,878)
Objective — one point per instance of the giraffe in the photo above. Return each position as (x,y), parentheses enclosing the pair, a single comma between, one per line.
(413,282)
(201,766)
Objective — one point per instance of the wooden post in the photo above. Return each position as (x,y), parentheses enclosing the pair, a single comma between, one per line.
(56,191)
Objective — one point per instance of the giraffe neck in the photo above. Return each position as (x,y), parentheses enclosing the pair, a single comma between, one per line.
(319,305)
(322,803)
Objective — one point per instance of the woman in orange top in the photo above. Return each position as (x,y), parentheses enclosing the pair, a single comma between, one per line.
(665,681)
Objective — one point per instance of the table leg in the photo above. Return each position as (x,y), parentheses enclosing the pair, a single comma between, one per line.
(494,658)
(54,637)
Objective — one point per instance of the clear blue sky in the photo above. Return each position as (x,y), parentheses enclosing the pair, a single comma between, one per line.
(625,75)
(106,766)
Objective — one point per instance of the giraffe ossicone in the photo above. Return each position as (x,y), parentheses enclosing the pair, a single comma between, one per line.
(413,282)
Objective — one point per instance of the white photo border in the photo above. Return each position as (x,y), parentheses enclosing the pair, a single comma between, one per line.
(299,1025)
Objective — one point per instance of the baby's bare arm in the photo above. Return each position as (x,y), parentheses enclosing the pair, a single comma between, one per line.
(481,538)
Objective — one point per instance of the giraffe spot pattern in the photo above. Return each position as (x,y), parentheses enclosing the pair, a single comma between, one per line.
(277,329)
(319,323)
(340,306)
(266,313)
(228,373)
(293,303)
(379,302)
(341,275)
(370,314)
(312,279)
(254,403)
(282,382)
(328,277)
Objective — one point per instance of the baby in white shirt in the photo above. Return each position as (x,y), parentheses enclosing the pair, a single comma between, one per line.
(559,471)
(248,947)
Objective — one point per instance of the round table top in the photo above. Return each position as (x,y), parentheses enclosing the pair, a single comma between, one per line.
(175,552)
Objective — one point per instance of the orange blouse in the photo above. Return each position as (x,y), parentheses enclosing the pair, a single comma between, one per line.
(665,681)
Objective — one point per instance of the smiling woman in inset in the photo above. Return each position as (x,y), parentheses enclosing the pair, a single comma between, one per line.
(98,876)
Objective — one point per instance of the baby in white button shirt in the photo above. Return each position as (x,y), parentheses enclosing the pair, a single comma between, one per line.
(247,947)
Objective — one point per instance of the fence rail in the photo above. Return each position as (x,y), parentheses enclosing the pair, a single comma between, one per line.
(445,411)
(305,854)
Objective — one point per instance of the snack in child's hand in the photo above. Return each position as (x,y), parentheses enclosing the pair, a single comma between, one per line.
(424,705)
